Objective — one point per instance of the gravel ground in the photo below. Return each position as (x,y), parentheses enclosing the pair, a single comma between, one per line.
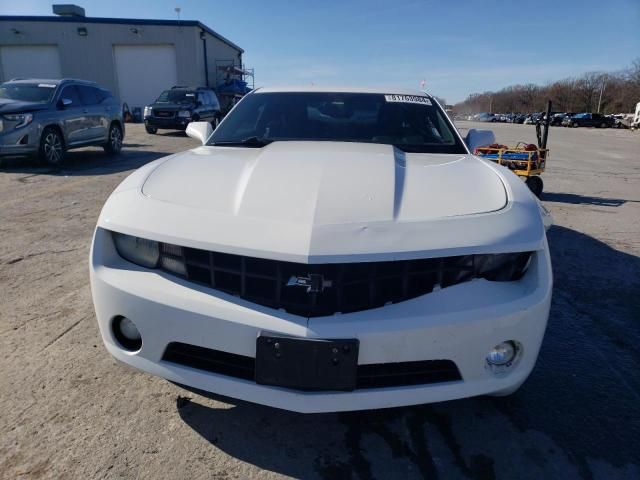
(69,411)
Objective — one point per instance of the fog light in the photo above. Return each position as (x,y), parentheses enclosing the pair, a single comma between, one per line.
(127,334)
(129,330)
(502,354)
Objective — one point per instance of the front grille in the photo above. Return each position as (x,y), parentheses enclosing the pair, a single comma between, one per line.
(368,376)
(164,113)
(315,290)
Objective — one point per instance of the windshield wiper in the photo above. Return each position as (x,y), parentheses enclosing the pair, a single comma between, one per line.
(253,142)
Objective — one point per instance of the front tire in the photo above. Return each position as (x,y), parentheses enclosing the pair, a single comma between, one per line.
(151,130)
(51,150)
(114,142)
(536,185)
(603,125)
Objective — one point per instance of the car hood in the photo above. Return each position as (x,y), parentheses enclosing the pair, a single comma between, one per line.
(327,183)
(172,106)
(15,106)
(327,202)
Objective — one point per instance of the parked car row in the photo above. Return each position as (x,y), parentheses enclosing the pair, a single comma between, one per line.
(565,119)
(45,118)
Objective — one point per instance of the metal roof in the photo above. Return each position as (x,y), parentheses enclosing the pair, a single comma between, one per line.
(120,21)
(51,81)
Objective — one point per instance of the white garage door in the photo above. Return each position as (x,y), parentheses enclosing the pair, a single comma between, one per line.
(36,61)
(144,71)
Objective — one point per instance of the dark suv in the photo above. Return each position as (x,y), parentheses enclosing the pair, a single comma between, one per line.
(588,120)
(175,108)
(45,118)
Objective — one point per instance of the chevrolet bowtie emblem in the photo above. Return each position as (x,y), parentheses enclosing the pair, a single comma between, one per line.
(315,283)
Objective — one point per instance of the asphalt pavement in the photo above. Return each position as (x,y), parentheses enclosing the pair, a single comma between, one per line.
(70,411)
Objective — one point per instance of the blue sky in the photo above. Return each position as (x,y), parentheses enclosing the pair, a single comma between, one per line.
(457,47)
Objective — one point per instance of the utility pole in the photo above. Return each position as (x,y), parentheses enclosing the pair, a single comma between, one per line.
(604,80)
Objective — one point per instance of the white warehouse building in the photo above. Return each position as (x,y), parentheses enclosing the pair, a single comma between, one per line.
(135,59)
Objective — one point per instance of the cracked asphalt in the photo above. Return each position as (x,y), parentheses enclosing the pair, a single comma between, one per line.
(67,410)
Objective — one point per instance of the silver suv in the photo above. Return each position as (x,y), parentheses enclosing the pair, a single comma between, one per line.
(44,118)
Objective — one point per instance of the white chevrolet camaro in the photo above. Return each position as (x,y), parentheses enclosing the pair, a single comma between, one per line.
(326,250)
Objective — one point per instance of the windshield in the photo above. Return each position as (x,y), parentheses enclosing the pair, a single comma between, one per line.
(176,96)
(28,92)
(412,123)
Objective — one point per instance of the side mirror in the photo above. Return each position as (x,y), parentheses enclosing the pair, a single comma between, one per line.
(65,102)
(200,131)
(479,138)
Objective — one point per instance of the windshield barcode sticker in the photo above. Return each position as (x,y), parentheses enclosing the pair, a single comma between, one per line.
(408,99)
(46,85)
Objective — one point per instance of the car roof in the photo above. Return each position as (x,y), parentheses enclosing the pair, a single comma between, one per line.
(187,87)
(51,81)
(341,89)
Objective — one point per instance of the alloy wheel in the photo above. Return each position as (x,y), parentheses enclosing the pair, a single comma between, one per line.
(53,148)
(116,139)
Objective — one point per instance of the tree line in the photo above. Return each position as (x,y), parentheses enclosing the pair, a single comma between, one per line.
(616,92)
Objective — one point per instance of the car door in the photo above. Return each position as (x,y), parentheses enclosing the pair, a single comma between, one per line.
(591,121)
(97,121)
(73,118)
(215,104)
(203,106)
(599,119)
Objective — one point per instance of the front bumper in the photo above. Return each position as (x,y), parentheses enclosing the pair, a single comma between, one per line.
(20,141)
(175,123)
(460,323)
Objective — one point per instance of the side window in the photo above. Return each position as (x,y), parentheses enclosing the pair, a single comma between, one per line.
(202,98)
(88,95)
(214,100)
(70,93)
(102,94)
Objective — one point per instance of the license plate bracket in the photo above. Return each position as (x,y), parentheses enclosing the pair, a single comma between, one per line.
(307,364)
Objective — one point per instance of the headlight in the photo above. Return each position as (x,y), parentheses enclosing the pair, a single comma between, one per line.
(502,267)
(147,111)
(140,251)
(172,259)
(22,119)
(150,254)
(184,113)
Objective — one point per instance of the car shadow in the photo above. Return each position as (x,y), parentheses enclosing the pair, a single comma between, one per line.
(84,162)
(580,404)
(584,199)
(135,145)
(172,133)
